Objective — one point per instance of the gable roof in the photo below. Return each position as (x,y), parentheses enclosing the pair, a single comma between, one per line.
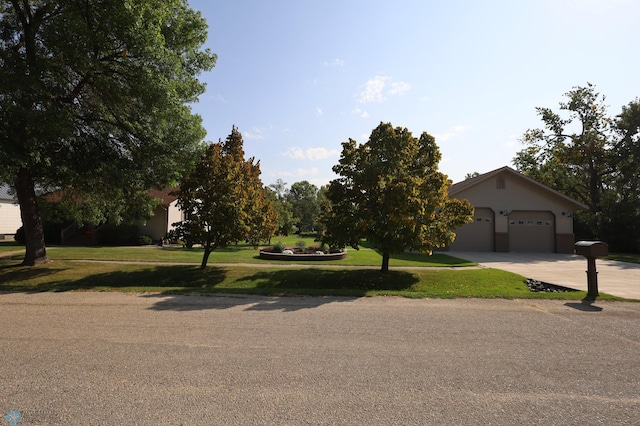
(471,182)
(5,192)
(166,195)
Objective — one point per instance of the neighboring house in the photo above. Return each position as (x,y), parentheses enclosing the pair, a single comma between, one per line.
(165,214)
(10,219)
(514,213)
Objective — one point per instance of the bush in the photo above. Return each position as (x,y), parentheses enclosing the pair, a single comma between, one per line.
(278,247)
(300,245)
(19,237)
(119,235)
(144,240)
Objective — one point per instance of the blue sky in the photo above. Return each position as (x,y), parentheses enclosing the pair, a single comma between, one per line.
(299,77)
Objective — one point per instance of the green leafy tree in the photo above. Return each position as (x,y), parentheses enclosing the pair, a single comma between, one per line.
(303,197)
(277,192)
(586,154)
(223,199)
(391,193)
(94,100)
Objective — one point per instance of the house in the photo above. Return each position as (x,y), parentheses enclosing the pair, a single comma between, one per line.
(514,213)
(10,219)
(165,214)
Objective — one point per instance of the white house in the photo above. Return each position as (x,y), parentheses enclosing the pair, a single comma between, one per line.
(10,219)
(164,215)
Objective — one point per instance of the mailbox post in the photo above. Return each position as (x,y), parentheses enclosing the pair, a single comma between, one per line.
(592,250)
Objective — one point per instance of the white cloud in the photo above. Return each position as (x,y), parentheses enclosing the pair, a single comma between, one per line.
(452,133)
(360,113)
(376,91)
(319,112)
(295,173)
(335,63)
(256,133)
(399,88)
(373,91)
(513,141)
(313,154)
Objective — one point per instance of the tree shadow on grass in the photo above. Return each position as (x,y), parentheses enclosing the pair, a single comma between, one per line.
(12,272)
(153,278)
(351,282)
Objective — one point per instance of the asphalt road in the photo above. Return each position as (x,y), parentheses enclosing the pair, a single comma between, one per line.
(111,358)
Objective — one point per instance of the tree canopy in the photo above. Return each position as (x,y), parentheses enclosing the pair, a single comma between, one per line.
(594,158)
(303,197)
(391,193)
(223,199)
(94,100)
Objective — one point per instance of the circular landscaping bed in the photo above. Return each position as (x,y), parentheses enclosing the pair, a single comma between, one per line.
(295,254)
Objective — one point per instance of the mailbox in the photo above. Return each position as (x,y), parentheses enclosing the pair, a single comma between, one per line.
(592,248)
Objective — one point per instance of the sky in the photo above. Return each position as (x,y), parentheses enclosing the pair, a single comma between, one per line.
(299,77)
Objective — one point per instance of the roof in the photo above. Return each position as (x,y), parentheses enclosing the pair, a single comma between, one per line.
(166,196)
(468,183)
(5,192)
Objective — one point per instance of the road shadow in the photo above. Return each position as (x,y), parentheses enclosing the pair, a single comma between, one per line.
(250,302)
(268,290)
(586,305)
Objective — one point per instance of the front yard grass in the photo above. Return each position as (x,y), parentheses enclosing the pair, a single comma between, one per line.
(175,270)
(243,253)
(70,275)
(625,257)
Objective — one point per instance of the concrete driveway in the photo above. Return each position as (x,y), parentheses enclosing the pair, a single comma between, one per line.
(569,270)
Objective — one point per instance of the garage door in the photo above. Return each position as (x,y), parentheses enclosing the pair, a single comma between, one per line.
(531,231)
(477,235)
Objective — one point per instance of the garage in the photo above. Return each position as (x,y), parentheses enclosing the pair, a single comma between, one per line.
(531,231)
(477,235)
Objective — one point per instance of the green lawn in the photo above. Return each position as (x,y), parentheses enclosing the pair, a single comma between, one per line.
(68,275)
(625,257)
(72,270)
(243,253)
(6,246)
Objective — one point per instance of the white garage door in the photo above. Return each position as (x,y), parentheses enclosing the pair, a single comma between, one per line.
(531,231)
(477,235)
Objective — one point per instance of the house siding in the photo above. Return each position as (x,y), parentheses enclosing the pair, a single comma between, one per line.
(514,197)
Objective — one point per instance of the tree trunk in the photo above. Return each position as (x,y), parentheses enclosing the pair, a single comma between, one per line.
(35,252)
(385,262)
(205,257)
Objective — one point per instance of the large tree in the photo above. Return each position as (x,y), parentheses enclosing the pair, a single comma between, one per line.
(223,199)
(278,193)
(593,157)
(303,197)
(391,193)
(94,100)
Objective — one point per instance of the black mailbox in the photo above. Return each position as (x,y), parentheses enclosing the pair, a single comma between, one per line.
(592,248)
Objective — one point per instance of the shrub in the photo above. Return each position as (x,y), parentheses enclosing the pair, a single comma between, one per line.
(300,245)
(119,235)
(19,237)
(278,247)
(144,240)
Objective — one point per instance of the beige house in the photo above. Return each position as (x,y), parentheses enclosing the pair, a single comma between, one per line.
(514,213)
(10,219)
(165,214)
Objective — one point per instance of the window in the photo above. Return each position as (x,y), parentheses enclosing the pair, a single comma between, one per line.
(500,183)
